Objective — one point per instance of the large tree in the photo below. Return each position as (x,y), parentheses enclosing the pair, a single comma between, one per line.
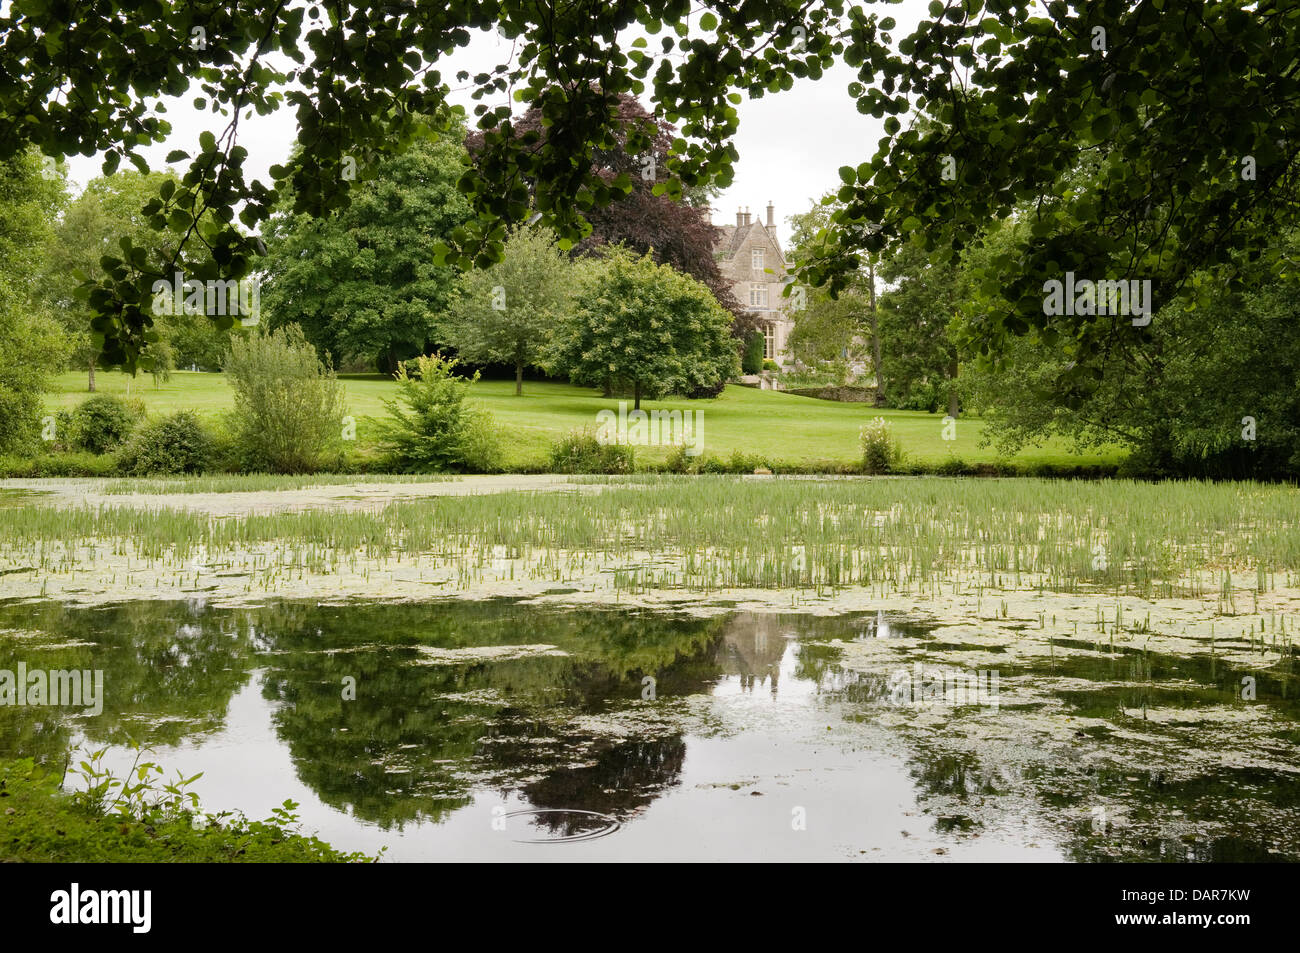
(361,281)
(1077,117)
(641,215)
(1216,394)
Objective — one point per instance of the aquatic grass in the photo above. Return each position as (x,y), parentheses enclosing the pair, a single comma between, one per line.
(703,534)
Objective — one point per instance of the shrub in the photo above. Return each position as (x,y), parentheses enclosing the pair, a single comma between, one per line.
(288,404)
(102,423)
(178,443)
(712,463)
(582,452)
(751,362)
(79,464)
(770,365)
(438,430)
(952,466)
(881,451)
(679,462)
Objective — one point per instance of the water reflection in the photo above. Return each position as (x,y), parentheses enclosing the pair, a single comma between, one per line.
(425,727)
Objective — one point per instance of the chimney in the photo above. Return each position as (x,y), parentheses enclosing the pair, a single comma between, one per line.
(746,215)
(771,213)
(740,217)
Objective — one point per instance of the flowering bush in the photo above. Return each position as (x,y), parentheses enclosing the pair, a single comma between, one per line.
(881,451)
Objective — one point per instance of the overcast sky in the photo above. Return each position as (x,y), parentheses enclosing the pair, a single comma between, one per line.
(791,144)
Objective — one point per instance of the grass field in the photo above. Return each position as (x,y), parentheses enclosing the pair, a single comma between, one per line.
(776,426)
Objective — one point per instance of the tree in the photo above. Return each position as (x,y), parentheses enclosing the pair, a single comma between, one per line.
(829,327)
(914,318)
(31,342)
(640,216)
(505,313)
(361,280)
(1215,394)
(108,210)
(1015,102)
(1017,92)
(649,325)
(359,80)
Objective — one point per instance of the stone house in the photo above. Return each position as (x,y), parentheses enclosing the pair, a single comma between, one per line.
(750,258)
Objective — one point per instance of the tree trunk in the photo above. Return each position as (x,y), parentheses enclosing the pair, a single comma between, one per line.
(519,379)
(91,386)
(954,405)
(636,395)
(876,355)
(609,387)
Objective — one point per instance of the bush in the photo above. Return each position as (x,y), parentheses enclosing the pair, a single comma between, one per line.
(288,404)
(175,444)
(59,465)
(881,451)
(102,423)
(751,362)
(770,365)
(438,430)
(582,452)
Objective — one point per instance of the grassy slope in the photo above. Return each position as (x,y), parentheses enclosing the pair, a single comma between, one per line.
(774,425)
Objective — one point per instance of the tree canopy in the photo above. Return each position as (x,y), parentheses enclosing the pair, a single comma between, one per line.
(361,281)
(1188,111)
(647,326)
(641,216)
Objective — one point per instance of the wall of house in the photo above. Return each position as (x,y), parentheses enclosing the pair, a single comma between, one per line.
(736,262)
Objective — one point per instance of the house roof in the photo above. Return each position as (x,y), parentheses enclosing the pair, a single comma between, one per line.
(733,238)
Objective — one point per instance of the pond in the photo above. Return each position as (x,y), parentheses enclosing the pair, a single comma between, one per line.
(504,730)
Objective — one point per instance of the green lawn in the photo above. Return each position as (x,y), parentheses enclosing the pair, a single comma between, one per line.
(767,423)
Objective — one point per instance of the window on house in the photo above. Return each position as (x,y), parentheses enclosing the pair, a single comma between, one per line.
(758,295)
(756,258)
(769,342)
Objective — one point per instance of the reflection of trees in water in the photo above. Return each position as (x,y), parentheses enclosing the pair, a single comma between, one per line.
(404,749)
(170,670)
(625,778)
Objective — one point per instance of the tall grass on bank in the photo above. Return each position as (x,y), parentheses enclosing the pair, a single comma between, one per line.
(710,533)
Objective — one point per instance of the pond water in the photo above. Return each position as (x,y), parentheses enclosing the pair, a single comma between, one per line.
(499,730)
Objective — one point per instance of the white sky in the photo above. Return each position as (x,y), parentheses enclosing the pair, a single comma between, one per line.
(791,144)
